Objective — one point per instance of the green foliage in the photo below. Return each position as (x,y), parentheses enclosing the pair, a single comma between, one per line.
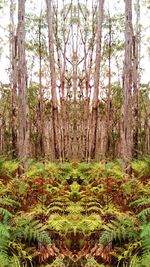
(8,168)
(96,207)
(35,170)
(141,167)
(56,263)
(92,262)
(122,229)
(29,230)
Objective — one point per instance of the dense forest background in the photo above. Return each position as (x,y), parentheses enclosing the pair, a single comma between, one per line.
(76,84)
(74,133)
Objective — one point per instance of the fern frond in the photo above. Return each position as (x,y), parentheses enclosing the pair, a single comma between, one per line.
(4,239)
(145,230)
(4,260)
(141,202)
(14,262)
(91,262)
(144,214)
(6,201)
(6,214)
(31,231)
(142,261)
(145,237)
(118,230)
(58,262)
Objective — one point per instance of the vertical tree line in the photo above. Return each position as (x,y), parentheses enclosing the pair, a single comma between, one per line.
(77,108)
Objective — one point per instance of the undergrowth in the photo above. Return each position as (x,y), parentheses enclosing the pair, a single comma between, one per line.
(75,214)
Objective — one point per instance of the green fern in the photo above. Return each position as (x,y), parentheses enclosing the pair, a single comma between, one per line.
(118,230)
(14,261)
(141,167)
(58,262)
(145,237)
(144,214)
(9,168)
(141,202)
(31,231)
(4,241)
(6,201)
(140,261)
(91,262)
(6,214)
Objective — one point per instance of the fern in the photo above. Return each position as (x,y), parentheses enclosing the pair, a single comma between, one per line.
(91,262)
(31,231)
(141,167)
(6,214)
(144,214)
(118,230)
(5,235)
(141,202)
(140,261)
(6,201)
(9,168)
(145,236)
(35,170)
(4,260)
(14,262)
(58,262)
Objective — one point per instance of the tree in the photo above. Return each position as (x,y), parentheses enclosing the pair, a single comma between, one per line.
(13,80)
(53,80)
(127,82)
(23,145)
(136,59)
(96,79)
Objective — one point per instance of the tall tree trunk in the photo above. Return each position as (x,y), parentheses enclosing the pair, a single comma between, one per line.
(108,111)
(41,103)
(13,80)
(88,68)
(136,58)
(62,68)
(127,82)
(53,80)
(96,79)
(23,147)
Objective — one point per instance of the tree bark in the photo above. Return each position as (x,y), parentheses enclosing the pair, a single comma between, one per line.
(53,80)
(23,146)
(127,83)
(13,80)
(136,58)
(108,111)
(41,102)
(96,79)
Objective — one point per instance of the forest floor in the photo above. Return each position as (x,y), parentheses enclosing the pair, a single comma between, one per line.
(75,214)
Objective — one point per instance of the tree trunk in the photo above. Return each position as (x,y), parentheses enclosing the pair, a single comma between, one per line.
(53,80)
(23,146)
(127,82)
(108,111)
(136,57)
(96,79)
(13,80)
(41,103)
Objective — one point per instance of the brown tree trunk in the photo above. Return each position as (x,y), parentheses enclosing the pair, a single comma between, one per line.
(108,111)
(136,57)
(23,146)
(127,82)
(13,80)
(96,79)
(62,68)
(41,102)
(53,80)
